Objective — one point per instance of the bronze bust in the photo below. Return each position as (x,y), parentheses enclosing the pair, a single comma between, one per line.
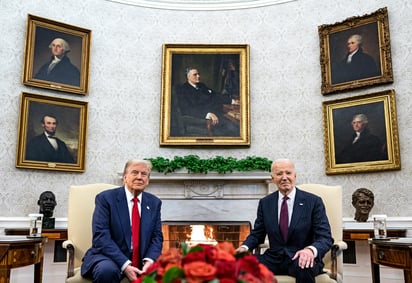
(47,203)
(363,201)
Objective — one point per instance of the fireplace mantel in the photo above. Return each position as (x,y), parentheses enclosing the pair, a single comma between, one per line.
(258,176)
(235,185)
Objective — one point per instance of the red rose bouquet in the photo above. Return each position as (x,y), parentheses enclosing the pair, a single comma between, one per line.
(207,263)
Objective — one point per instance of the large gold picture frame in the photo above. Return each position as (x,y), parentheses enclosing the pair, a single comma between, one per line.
(65,123)
(224,72)
(370,65)
(69,73)
(377,146)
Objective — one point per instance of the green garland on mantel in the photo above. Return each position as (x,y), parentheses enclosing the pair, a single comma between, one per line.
(219,164)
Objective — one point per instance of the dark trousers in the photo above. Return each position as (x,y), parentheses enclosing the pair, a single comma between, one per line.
(283,265)
(105,271)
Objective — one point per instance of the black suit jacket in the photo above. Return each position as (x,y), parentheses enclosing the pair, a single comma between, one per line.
(40,149)
(361,66)
(198,102)
(368,147)
(64,72)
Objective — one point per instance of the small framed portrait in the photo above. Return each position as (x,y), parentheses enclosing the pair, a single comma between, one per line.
(361,134)
(57,56)
(205,95)
(355,53)
(51,133)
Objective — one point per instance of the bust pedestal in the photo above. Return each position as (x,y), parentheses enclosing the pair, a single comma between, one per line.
(48,223)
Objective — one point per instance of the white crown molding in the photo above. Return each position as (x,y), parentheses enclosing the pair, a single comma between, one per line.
(201,5)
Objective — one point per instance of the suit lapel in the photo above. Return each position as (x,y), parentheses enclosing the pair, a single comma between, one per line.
(273,209)
(124,216)
(298,209)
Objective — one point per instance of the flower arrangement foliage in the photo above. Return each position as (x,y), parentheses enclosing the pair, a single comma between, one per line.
(194,164)
(207,264)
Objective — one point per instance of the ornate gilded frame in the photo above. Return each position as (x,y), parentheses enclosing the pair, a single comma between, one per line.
(380,109)
(40,33)
(71,118)
(205,57)
(374,29)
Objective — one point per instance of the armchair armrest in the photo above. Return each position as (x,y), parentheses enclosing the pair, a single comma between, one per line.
(69,246)
(336,250)
(259,248)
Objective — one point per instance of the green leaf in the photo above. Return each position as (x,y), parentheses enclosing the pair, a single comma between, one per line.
(149,279)
(222,165)
(173,273)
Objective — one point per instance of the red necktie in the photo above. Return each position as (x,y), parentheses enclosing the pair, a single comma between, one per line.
(284,218)
(135,233)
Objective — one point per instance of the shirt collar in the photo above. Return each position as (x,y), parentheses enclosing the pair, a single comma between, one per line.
(291,195)
(130,196)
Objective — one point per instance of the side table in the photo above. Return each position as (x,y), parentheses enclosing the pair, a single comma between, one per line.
(396,253)
(59,235)
(350,236)
(17,251)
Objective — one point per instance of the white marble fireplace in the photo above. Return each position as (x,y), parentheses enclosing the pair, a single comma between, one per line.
(210,197)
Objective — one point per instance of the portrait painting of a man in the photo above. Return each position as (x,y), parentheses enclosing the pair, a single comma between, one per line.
(57,57)
(52,133)
(205,94)
(360,133)
(355,54)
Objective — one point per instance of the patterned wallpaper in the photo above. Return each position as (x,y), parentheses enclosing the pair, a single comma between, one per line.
(125,79)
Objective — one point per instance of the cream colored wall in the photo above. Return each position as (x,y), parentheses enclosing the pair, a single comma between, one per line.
(125,78)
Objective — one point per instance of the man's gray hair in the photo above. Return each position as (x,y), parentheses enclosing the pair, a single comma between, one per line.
(363,117)
(281,160)
(66,46)
(188,69)
(357,37)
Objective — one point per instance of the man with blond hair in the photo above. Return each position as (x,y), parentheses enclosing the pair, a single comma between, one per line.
(114,253)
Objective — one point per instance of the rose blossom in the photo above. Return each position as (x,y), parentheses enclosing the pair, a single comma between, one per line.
(249,264)
(172,255)
(199,271)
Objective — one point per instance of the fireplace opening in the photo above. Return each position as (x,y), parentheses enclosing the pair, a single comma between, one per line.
(206,232)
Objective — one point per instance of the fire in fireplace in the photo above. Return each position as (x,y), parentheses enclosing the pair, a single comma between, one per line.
(205,232)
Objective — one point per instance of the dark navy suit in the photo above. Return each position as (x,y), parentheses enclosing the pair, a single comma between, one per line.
(112,230)
(309,226)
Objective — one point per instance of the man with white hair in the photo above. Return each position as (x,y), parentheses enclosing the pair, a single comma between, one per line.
(59,69)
